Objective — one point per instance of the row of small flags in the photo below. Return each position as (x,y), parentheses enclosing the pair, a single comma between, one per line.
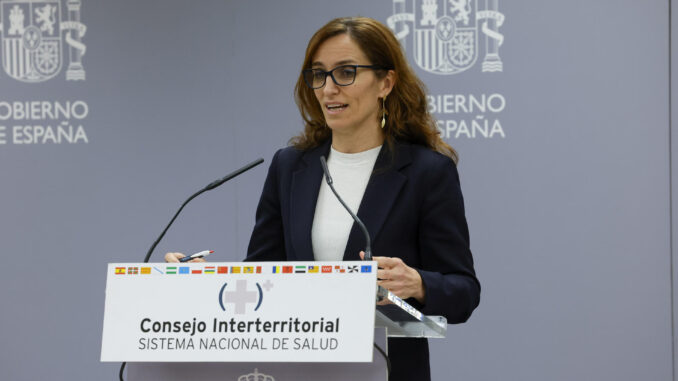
(170,270)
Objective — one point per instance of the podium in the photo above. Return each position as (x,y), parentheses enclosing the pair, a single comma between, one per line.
(237,317)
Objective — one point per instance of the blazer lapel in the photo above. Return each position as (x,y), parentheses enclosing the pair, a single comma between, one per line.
(381,192)
(303,199)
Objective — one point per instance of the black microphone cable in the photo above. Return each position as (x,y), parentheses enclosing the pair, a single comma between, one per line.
(388,361)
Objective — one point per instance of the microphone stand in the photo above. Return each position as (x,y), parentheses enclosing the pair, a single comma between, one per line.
(368,244)
(210,186)
(328,178)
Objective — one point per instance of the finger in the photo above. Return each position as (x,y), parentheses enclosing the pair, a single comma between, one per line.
(396,287)
(389,285)
(393,273)
(383,274)
(387,262)
(384,302)
(399,293)
(382,262)
(196,260)
(362,256)
(173,257)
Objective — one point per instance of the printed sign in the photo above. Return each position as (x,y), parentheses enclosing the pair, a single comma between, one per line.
(240,312)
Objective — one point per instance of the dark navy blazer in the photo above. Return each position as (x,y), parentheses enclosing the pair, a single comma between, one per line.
(413,209)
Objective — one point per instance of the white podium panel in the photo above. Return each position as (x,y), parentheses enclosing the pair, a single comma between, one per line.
(240,312)
(371,371)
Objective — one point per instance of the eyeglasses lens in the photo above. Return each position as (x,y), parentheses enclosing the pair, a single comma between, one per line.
(343,76)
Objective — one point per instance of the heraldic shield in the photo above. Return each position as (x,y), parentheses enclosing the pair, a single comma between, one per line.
(445,38)
(31,40)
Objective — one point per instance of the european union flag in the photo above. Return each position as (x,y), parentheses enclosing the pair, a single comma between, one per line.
(184,270)
(366,269)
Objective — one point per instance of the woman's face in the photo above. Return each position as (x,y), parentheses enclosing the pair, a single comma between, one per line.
(352,109)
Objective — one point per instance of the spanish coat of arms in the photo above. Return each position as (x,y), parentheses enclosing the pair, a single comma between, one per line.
(445,36)
(32,44)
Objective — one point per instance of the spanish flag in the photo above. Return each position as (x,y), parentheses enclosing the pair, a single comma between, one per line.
(119,270)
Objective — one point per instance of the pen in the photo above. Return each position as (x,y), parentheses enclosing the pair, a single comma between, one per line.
(197,255)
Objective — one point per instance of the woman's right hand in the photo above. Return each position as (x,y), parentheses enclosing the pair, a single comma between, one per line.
(174,258)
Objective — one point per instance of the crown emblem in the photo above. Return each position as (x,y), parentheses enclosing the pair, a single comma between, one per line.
(256,376)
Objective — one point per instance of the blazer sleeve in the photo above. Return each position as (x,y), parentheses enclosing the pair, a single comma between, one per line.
(267,242)
(452,289)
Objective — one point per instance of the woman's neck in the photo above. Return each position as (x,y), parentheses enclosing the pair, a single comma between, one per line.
(357,142)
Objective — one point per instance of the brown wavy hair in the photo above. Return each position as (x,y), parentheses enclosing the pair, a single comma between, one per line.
(408,118)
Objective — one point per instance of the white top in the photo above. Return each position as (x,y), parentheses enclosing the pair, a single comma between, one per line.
(332,224)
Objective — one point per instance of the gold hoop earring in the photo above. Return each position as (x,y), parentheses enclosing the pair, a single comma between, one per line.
(383,112)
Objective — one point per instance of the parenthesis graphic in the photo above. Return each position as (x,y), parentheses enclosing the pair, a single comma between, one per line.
(221,296)
(261,297)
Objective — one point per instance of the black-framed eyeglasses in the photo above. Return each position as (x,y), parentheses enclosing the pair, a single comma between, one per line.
(343,75)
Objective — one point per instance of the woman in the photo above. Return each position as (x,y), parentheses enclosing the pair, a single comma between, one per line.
(363,106)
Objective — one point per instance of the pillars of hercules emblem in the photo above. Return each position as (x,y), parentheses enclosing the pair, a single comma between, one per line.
(493,40)
(399,8)
(75,69)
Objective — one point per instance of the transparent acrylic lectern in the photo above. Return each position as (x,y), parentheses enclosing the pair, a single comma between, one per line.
(402,320)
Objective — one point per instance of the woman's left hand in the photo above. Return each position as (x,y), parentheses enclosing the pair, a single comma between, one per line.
(402,280)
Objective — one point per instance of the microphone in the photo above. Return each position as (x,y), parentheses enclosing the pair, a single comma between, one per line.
(208,187)
(328,178)
(246,168)
(368,242)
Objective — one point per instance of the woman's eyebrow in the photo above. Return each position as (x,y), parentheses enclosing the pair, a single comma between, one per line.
(342,62)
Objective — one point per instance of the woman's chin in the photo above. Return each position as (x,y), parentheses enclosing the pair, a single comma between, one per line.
(338,127)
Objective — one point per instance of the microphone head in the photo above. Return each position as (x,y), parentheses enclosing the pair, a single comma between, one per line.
(217,183)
